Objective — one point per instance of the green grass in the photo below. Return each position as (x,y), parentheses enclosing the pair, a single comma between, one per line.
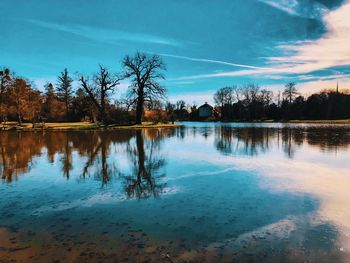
(85,126)
(145,125)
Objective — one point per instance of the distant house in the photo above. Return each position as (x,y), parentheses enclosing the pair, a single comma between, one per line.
(205,111)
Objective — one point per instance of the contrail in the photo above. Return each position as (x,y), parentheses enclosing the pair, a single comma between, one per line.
(212,61)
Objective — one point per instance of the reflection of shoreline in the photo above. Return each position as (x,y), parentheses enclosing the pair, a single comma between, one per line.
(252,140)
(17,151)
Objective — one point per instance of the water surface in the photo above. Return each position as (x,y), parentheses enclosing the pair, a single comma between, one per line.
(206,192)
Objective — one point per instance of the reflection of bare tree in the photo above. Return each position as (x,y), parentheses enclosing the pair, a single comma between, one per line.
(97,157)
(66,159)
(287,141)
(98,153)
(255,140)
(248,140)
(329,139)
(180,132)
(144,180)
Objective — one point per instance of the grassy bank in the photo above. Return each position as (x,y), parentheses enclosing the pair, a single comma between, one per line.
(57,126)
(322,121)
(345,121)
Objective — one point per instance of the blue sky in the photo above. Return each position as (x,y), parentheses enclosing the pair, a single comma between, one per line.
(205,44)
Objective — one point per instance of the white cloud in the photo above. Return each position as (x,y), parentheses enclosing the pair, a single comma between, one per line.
(307,88)
(313,84)
(310,172)
(304,57)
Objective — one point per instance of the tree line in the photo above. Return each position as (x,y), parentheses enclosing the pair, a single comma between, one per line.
(92,100)
(251,102)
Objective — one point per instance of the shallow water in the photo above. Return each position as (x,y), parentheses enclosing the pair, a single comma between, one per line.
(206,192)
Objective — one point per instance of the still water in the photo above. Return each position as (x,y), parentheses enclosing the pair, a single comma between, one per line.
(204,192)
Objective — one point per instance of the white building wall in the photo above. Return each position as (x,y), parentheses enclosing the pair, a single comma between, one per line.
(205,112)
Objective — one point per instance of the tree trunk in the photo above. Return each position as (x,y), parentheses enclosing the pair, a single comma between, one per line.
(1,100)
(103,109)
(19,118)
(139,110)
(1,115)
(140,152)
(104,168)
(66,110)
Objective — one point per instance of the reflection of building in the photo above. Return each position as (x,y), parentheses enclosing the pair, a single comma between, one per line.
(205,111)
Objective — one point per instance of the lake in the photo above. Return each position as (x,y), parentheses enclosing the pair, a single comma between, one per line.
(205,192)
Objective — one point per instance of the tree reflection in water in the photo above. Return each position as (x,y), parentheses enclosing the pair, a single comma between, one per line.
(18,150)
(145,178)
(258,140)
(249,141)
(98,160)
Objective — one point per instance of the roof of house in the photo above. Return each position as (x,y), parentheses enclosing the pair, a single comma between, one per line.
(205,105)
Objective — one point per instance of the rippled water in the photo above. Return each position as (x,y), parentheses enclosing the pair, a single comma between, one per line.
(205,192)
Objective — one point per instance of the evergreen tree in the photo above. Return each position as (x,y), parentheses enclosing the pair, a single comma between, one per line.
(65,90)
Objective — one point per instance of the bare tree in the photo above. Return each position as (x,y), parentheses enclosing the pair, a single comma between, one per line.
(180,104)
(224,96)
(266,96)
(99,88)
(65,90)
(144,71)
(219,97)
(290,92)
(250,93)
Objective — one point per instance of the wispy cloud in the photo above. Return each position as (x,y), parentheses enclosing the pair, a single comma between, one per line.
(298,7)
(303,57)
(288,6)
(212,61)
(184,83)
(309,87)
(111,36)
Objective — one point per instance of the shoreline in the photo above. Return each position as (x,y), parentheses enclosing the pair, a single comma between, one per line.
(82,126)
(85,126)
(346,121)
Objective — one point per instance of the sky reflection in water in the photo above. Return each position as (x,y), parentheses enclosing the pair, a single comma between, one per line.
(204,192)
